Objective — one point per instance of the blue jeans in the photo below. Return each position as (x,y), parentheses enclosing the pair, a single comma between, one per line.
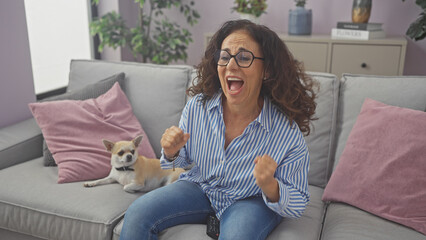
(184,202)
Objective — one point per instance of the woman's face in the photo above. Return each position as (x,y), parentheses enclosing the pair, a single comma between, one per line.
(241,86)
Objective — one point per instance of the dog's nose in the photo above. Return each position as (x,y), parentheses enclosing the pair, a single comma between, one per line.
(129,158)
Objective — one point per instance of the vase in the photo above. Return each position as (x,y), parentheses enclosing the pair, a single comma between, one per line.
(361,10)
(250,17)
(300,21)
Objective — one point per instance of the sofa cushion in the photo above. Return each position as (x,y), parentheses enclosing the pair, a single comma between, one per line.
(307,227)
(74,131)
(349,223)
(9,235)
(93,90)
(156,92)
(32,203)
(401,91)
(320,140)
(382,169)
(20,142)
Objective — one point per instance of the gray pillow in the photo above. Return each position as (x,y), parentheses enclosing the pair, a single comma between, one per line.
(93,90)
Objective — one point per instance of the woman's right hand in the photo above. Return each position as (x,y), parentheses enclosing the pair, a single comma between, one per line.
(173,140)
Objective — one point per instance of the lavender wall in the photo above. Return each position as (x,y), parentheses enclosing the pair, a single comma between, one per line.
(396,16)
(17,87)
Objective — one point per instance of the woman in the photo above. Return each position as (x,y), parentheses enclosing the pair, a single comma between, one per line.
(243,131)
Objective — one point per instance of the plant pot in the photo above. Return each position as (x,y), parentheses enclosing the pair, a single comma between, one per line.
(361,10)
(300,21)
(250,17)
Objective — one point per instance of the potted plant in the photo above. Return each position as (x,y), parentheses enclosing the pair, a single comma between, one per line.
(250,9)
(417,29)
(157,40)
(300,19)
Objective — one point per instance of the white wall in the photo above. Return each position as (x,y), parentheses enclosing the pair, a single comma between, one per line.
(58,31)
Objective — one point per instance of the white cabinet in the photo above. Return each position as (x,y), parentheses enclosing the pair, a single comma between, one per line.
(374,57)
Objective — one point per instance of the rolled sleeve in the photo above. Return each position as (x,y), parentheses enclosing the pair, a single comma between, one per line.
(291,204)
(282,202)
(293,184)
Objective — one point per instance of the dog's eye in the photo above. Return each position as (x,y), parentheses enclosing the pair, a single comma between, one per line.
(120,153)
(132,152)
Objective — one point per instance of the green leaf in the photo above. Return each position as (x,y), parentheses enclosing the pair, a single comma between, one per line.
(416,30)
(421,3)
(195,14)
(141,3)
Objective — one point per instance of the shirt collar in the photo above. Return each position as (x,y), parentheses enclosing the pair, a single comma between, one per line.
(265,118)
(215,102)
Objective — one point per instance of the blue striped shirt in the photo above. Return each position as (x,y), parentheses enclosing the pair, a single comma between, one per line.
(226,175)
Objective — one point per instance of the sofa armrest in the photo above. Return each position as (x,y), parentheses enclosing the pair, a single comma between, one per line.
(20,142)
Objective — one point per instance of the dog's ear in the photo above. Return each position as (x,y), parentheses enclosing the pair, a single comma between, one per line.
(137,140)
(108,145)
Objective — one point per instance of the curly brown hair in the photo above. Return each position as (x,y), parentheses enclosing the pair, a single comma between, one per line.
(287,85)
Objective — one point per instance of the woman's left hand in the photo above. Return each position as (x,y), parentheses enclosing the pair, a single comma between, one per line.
(263,172)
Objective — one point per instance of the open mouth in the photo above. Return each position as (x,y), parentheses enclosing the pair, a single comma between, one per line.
(235,85)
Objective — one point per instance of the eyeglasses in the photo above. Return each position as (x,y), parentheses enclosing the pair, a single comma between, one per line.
(244,58)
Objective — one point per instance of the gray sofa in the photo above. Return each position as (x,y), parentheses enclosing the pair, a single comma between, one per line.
(34,206)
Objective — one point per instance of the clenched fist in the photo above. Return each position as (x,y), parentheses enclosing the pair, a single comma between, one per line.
(173,140)
(263,172)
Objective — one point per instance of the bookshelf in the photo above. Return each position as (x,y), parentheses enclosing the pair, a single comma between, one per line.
(321,53)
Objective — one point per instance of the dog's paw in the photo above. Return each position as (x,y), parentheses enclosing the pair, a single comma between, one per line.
(129,188)
(88,184)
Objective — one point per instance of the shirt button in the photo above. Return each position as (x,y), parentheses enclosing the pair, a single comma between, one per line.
(222,162)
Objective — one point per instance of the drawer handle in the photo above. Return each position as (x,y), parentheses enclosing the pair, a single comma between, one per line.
(363,65)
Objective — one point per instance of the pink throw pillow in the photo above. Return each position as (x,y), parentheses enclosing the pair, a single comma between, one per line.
(74,130)
(382,169)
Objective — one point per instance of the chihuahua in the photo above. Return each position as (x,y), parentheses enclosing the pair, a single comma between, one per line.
(134,172)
